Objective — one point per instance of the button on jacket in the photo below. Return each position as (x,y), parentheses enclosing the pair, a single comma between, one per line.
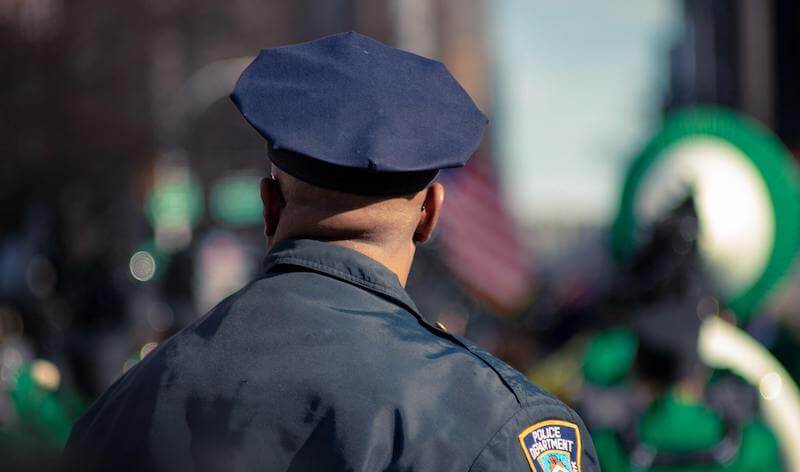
(322,363)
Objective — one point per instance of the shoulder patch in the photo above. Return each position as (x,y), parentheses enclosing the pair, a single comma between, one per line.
(552,446)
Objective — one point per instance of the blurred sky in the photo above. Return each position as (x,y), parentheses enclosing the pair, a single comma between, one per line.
(578,87)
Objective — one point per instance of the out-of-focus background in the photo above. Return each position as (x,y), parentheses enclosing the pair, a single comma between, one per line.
(625,235)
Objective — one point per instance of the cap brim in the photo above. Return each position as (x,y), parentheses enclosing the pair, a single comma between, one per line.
(348,179)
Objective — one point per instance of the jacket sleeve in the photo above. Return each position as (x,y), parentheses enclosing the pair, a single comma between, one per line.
(542,436)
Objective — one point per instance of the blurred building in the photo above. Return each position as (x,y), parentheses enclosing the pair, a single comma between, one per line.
(741,54)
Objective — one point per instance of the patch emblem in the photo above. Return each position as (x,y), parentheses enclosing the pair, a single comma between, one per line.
(552,446)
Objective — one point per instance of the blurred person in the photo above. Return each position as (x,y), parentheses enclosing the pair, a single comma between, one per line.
(649,401)
(324,362)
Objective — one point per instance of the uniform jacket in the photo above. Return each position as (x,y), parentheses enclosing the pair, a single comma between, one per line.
(323,363)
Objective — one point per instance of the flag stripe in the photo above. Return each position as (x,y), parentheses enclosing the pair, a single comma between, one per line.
(483,271)
(486,234)
(479,241)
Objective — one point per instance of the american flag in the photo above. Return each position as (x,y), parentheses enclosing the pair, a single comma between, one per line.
(479,242)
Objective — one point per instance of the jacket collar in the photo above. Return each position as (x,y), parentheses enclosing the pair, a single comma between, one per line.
(341,263)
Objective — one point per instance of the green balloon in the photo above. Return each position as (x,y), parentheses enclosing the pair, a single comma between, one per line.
(774,165)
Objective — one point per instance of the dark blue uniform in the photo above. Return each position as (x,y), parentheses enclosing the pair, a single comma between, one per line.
(324,363)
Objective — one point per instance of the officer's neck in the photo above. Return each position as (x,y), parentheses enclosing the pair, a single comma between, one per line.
(397,259)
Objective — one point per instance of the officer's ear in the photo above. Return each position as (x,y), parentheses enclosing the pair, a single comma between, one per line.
(431,207)
(273,203)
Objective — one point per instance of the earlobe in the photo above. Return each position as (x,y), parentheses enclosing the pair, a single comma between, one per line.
(434,199)
(272,200)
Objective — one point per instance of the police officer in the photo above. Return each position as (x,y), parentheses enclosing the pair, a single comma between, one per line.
(323,362)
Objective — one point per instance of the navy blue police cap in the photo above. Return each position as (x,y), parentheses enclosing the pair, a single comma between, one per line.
(349,113)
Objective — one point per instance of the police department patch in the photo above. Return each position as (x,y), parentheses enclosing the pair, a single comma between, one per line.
(552,446)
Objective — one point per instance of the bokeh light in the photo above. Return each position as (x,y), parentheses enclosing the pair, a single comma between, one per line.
(142,266)
(770,386)
(147,348)
(46,374)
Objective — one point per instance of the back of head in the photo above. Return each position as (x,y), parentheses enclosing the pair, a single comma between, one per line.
(333,215)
